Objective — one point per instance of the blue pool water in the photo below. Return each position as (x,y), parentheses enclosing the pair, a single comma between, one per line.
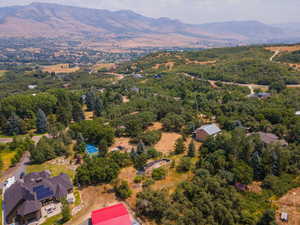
(91,149)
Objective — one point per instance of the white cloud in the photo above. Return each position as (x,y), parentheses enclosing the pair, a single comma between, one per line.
(195,11)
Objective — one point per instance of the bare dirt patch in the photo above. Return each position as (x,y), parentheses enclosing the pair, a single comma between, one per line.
(122,141)
(167,142)
(169,66)
(129,174)
(106,66)
(94,197)
(255,187)
(60,68)
(289,203)
(201,62)
(293,65)
(155,126)
(284,48)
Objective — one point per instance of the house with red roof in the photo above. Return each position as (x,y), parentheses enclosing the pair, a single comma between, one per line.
(113,215)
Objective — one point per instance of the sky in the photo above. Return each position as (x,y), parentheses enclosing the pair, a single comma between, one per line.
(194,11)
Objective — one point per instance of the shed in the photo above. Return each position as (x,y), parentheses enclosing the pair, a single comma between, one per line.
(113,215)
(205,131)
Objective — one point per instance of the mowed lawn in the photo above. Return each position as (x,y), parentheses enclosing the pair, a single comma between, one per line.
(6,157)
(54,220)
(54,169)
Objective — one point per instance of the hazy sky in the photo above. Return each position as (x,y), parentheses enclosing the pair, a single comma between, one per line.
(195,11)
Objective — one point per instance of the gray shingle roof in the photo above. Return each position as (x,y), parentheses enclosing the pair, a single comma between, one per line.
(28,207)
(25,196)
(210,129)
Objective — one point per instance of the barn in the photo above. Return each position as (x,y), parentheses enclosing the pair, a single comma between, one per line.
(113,215)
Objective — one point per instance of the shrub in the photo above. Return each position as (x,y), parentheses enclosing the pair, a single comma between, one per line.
(159,174)
(184,165)
(122,190)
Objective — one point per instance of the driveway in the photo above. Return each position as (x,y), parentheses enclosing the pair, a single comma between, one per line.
(17,170)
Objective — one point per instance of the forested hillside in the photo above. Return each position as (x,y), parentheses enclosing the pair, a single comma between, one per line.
(144,113)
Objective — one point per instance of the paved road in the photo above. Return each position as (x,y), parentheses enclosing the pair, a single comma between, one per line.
(34,138)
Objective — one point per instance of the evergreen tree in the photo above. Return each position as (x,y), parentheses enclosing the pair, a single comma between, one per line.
(140,147)
(191,151)
(91,100)
(98,107)
(41,122)
(77,112)
(179,146)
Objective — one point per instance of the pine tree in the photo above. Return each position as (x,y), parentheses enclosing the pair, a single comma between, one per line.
(191,151)
(77,112)
(179,146)
(91,100)
(41,122)
(140,147)
(98,107)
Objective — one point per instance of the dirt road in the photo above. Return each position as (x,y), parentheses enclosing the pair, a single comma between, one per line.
(274,55)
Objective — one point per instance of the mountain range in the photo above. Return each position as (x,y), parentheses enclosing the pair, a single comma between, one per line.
(128,29)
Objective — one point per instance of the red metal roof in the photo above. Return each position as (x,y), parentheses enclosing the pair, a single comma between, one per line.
(113,215)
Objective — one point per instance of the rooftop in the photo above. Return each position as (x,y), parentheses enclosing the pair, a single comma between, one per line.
(269,138)
(210,129)
(25,197)
(113,215)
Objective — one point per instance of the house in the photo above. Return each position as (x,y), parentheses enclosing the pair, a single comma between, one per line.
(137,76)
(113,215)
(284,217)
(32,86)
(205,131)
(297,113)
(24,200)
(269,138)
(9,182)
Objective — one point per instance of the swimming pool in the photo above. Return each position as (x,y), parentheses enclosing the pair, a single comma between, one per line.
(91,150)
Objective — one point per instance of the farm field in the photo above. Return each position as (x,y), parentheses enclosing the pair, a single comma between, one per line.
(104,66)
(60,68)
(284,48)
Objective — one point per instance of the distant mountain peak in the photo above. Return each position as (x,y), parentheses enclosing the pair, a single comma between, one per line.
(52,20)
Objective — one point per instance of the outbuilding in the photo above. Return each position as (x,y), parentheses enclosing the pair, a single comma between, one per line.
(205,131)
(113,215)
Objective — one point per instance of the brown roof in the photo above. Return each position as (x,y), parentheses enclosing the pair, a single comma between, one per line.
(269,138)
